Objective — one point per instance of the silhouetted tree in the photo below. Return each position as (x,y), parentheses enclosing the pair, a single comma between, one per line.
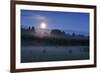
(68,34)
(81,35)
(29,28)
(73,34)
(22,29)
(63,33)
(33,29)
(57,32)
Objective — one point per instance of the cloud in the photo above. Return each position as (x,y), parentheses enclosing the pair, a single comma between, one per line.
(39,17)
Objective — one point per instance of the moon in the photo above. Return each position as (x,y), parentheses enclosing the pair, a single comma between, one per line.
(43,25)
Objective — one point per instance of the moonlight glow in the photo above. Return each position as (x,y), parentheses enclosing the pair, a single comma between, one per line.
(43,25)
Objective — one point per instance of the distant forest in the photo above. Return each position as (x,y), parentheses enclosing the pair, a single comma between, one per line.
(56,37)
(54,32)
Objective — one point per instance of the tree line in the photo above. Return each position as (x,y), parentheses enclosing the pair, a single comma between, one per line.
(53,32)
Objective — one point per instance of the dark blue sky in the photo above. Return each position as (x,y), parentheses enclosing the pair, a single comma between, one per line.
(67,21)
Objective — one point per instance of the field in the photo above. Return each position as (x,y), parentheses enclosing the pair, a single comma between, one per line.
(53,53)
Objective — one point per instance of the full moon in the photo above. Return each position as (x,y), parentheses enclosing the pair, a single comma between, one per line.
(43,25)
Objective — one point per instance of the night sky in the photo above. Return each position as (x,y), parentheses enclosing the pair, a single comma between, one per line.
(66,21)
